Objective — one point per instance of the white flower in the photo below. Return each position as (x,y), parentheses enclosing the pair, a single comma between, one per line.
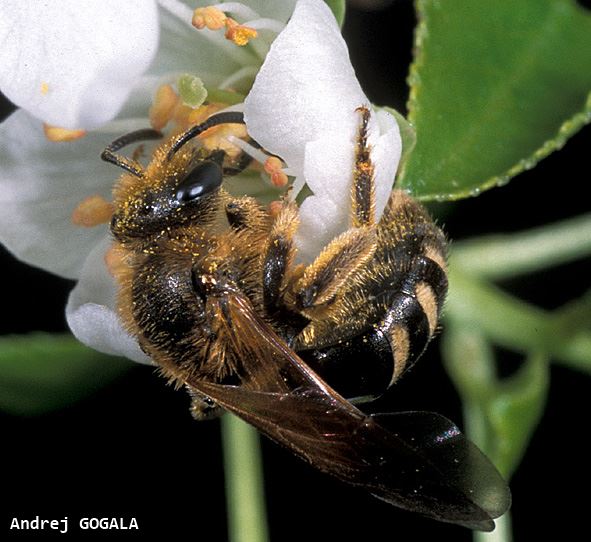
(302,107)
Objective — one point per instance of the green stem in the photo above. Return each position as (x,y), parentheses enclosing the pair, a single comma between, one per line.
(502,532)
(247,518)
(515,324)
(504,256)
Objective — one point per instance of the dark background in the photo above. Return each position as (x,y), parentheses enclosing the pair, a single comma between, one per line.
(132,450)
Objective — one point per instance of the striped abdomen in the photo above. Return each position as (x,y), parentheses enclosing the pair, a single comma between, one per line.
(389,312)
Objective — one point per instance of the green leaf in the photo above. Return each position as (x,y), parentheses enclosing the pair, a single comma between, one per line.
(41,372)
(470,364)
(515,410)
(338,9)
(495,87)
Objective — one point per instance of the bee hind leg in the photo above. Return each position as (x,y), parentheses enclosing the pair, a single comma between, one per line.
(322,280)
(363,189)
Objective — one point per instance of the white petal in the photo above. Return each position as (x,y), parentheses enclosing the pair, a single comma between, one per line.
(72,64)
(41,183)
(386,150)
(91,313)
(326,213)
(305,87)
(303,107)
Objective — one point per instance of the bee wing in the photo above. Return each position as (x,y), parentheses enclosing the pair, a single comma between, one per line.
(415,460)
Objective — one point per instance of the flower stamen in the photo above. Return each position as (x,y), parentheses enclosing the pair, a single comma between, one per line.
(209,17)
(238,33)
(203,112)
(266,24)
(215,18)
(115,260)
(163,107)
(274,167)
(275,207)
(92,211)
(224,137)
(238,8)
(58,135)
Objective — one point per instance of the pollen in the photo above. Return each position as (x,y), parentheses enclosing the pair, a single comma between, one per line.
(44,88)
(163,107)
(209,17)
(238,33)
(92,211)
(57,134)
(274,167)
(115,260)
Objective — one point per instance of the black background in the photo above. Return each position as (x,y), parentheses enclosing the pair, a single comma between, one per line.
(132,450)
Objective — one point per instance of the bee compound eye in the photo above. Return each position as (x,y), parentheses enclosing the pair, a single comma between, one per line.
(202,180)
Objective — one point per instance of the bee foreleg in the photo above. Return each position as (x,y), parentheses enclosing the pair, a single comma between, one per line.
(334,266)
(278,256)
(247,213)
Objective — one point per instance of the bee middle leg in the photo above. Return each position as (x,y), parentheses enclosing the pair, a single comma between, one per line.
(202,407)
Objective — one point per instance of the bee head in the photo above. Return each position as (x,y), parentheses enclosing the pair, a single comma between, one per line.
(180,186)
(167,197)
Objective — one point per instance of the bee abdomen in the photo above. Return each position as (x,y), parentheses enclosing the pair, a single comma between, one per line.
(413,317)
(369,363)
(400,293)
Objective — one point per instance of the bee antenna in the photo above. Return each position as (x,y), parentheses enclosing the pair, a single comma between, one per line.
(108,155)
(227,117)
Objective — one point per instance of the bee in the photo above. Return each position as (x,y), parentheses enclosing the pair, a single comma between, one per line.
(212,290)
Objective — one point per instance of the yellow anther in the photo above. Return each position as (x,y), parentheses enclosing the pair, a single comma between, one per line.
(216,138)
(275,207)
(44,88)
(274,167)
(208,17)
(163,106)
(57,134)
(238,33)
(115,260)
(92,211)
(181,115)
(203,112)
